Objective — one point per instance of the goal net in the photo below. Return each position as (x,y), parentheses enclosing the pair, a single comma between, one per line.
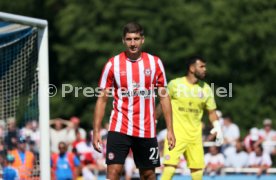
(24,93)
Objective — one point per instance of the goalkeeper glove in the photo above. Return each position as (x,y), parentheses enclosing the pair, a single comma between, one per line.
(217,129)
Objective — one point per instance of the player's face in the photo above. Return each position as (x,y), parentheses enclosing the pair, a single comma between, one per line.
(200,69)
(133,42)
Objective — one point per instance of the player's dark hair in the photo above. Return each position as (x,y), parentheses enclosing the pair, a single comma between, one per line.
(133,27)
(192,60)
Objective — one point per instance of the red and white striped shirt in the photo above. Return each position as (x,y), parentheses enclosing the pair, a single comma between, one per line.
(133,84)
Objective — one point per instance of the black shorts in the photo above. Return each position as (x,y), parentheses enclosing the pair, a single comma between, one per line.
(145,150)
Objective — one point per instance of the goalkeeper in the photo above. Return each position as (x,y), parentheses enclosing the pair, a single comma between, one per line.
(190,96)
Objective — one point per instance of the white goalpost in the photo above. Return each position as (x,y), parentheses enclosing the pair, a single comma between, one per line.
(24,79)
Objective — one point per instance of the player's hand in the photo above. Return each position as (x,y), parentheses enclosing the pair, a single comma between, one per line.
(97,142)
(217,130)
(171,139)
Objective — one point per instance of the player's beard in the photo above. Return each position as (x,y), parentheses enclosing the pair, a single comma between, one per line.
(199,75)
(134,50)
(133,54)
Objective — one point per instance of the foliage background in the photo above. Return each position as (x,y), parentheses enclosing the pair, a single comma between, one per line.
(237,37)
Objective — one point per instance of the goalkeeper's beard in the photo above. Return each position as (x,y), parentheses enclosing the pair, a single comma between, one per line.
(200,76)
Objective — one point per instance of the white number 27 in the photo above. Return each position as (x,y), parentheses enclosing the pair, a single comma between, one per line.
(154,153)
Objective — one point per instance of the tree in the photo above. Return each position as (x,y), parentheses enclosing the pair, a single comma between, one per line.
(236,37)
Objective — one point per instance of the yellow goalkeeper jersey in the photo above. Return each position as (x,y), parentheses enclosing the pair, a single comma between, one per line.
(188,104)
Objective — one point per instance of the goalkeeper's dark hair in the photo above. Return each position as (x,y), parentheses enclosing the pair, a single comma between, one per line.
(192,60)
(133,27)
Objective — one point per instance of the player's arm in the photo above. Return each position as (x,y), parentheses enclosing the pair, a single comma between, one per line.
(158,111)
(213,117)
(165,103)
(98,117)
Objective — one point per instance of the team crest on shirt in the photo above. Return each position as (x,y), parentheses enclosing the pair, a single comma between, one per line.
(200,94)
(111,156)
(147,72)
(167,157)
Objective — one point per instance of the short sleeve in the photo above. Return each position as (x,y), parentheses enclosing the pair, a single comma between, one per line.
(171,89)
(160,75)
(107,76)
(210,101)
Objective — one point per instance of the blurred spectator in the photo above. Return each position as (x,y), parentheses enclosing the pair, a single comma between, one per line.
(90,165)
(2,129)
(105,129)
(23,159)
(33,149)
(206,135)
(58,133)
(2,162)
(100,157)
(161,136)
(238,158)
(64,164)
(260,159)
(231,132)
(35,134)
(219,114)
(12,133)
(129,166)
(9,172)
(31,133)
(85,150)
(87,173)
(183,165)
(71,133)
(252,140)
(3,149)
(26,131)
(214,161)
(78,139)
(269,136)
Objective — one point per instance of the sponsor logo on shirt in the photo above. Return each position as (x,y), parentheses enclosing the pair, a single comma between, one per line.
(188,110)
(138,92)
(147,72)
